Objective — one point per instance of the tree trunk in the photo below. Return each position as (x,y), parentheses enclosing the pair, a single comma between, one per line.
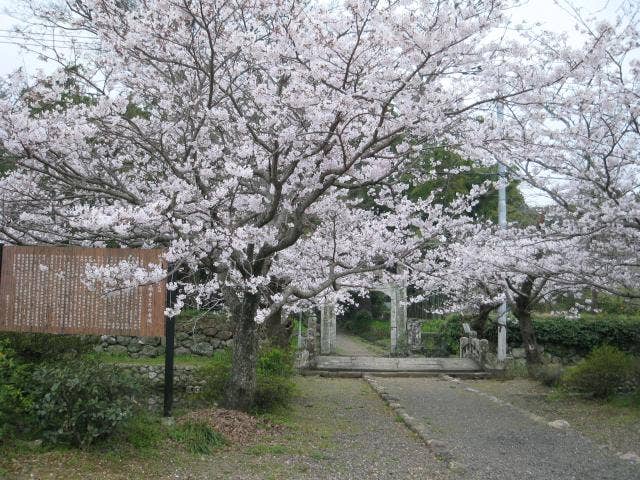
(278,329)
(479,321)
(240,392)
(522,305)
(529,341)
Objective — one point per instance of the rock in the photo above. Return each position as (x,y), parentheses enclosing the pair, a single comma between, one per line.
(149,351)
(182,351)
(630,457)
(122,340)
(215,343)
(210,331)
(117,350)
(559,424)
(181,336)
(517,353)
(134,347)
(202,348)
(110,340)
(98,349)
(153,341)
(224,335)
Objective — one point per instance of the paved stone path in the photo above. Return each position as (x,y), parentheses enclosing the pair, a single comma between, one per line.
(498,442)
(351,345)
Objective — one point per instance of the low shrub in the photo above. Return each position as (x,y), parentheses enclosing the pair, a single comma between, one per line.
(451,331)
(41,347)
(275,361)
(13,400)
(378,330)
(197,437)
(79,401)
(272,392)
(358,322)
(274,370)
(605,371)
(216,375)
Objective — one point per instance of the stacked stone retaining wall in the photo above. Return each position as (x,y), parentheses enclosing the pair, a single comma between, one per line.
(194,336)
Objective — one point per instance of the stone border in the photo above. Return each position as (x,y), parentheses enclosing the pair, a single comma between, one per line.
(439,448)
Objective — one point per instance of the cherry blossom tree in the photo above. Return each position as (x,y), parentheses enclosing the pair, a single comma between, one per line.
(579,146)
(232,133)
(523,266)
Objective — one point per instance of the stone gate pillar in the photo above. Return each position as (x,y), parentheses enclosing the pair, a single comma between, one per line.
(312,334)
(328,327)
(399,334)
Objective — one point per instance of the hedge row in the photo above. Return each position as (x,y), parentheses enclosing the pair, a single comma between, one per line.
(580,335)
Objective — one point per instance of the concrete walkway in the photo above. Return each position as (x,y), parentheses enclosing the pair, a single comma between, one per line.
(493,441)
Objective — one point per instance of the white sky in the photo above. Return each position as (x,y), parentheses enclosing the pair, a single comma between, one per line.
(545,12)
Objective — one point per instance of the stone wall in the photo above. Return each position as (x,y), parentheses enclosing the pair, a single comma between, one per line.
(185,382)
(194,336)
(552,354)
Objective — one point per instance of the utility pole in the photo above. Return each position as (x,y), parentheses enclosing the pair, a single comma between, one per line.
(502,222)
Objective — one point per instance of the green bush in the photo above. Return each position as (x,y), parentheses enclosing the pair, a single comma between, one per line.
(612,304)
(451,331)
(13,401)
(272,392)
(40,347)
(359,322)
(274,370)
(561,335)
(605,371)
(275,361)
(216,375)
(79,401)
(379,329)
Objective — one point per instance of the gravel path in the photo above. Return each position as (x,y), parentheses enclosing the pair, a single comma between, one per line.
(340,430)
(495,442)
(367,442)
(353,346)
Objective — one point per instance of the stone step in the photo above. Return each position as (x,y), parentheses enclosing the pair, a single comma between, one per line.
(395,365)
(413,374)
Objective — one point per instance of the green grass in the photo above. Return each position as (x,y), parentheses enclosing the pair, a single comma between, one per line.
(197,437)
(264,449)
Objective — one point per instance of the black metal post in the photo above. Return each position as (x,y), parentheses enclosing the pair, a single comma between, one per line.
(169,336)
